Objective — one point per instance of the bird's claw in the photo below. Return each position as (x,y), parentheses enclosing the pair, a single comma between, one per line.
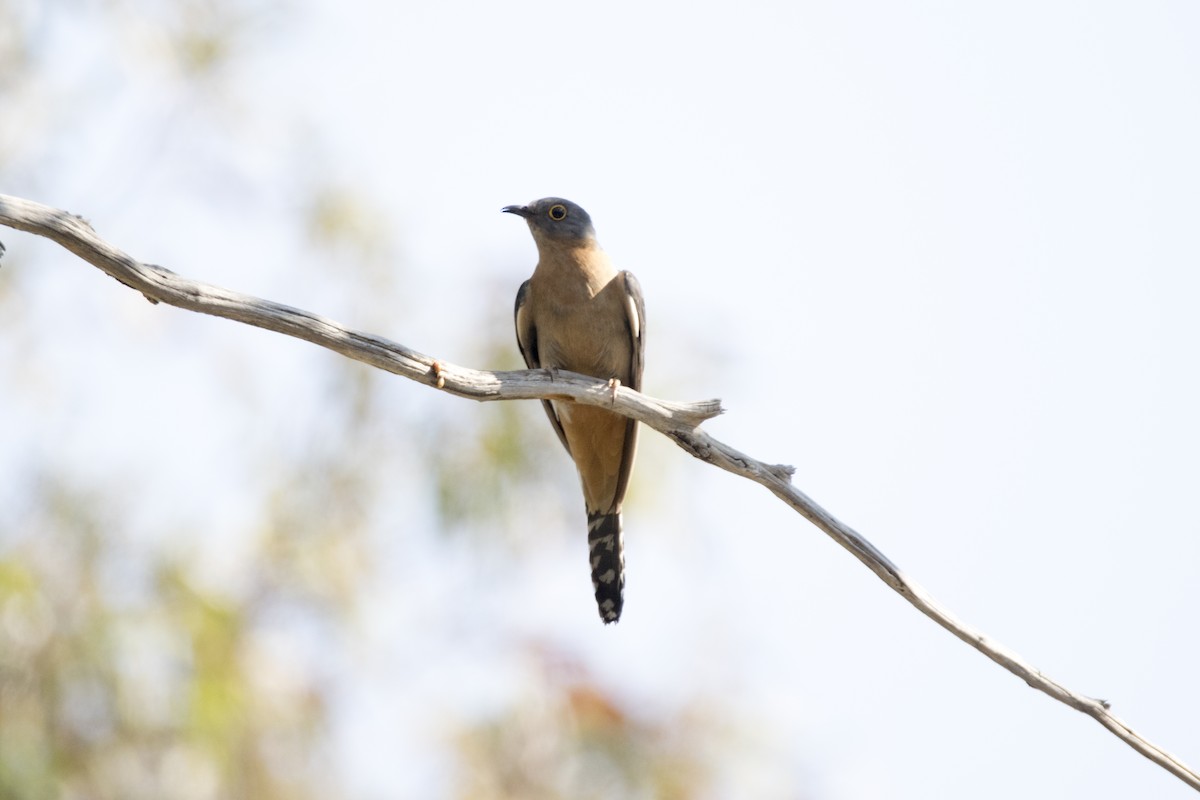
(438,379)
(613,385)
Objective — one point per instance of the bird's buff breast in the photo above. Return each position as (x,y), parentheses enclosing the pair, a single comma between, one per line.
(586,342)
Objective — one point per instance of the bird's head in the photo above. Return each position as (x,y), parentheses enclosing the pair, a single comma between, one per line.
(554,219)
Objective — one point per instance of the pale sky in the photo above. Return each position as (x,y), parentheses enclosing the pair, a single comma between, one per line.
(941,257)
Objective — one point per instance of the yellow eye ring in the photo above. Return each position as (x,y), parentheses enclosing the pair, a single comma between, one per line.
(558,212)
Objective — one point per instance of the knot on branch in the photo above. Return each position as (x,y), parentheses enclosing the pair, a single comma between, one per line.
(783,472)
(690,444)
(695,414)
(66,218)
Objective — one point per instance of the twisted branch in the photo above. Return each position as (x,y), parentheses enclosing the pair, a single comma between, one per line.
(678,421)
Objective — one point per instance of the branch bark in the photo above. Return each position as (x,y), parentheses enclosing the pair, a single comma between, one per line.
(678,421)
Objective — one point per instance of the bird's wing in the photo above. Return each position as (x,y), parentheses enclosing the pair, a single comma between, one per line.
(635,322)
(527,341)
(635,308)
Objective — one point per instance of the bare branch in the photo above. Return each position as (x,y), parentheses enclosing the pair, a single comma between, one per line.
(678,421)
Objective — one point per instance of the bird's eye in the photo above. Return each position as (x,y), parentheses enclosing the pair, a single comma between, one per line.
(558,212)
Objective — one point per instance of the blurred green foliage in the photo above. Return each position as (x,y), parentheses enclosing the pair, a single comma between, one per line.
(120,677)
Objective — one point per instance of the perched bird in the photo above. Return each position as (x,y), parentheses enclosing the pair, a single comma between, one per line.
(578,313)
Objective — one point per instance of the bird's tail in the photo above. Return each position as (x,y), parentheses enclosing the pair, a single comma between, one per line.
(607,551)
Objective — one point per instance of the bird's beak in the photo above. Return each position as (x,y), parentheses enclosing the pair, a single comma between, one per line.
(520,211)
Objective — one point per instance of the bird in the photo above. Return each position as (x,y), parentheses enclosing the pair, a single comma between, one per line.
(578,313)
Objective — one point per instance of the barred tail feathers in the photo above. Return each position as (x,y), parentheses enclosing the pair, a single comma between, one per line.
(607,552)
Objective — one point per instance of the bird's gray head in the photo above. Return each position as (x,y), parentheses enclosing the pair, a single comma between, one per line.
(556,219)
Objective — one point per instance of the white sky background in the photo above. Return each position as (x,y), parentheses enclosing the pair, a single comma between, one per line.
(941,257)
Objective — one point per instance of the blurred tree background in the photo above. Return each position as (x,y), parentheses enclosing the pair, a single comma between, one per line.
(938,256)
(206,531)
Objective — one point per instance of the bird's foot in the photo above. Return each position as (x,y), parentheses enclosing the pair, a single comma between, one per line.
(438,379)
(613,385)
